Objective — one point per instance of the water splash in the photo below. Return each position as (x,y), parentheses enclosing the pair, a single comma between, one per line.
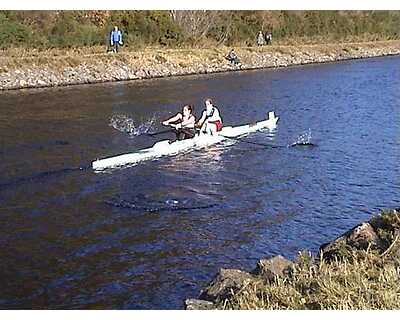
(125,124)
(303,139)
(172,202)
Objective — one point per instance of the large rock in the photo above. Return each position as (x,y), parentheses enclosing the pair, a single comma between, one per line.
(272,267)
(226,282)
(360,237)
(196,304)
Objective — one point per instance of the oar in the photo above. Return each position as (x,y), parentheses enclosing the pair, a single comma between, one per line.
(168,130)
(255,143)
(159,132)
(173,126)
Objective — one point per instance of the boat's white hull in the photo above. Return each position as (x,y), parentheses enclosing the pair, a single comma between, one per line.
(164,148)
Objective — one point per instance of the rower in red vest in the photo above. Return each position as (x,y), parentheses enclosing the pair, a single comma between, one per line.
(210,121)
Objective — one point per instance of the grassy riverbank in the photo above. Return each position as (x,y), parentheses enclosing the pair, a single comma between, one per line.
(62,57)
(366,281)
(359,270)
(31,68)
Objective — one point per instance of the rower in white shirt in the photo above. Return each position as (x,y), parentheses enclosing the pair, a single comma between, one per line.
(210,121)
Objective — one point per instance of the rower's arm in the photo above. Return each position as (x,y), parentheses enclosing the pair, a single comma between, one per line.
(173,119)
(202,119)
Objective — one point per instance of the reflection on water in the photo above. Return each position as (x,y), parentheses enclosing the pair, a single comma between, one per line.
(150,235)
(208,160)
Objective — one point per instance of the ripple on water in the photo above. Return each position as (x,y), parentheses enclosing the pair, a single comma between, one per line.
(150,235)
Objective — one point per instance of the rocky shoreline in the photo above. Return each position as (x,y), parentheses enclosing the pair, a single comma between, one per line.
(49,70)
(372,246)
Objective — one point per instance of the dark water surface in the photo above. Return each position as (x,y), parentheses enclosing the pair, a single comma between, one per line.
(149,236)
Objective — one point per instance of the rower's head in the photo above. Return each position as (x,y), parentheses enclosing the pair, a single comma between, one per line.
(187,110)
(209,104)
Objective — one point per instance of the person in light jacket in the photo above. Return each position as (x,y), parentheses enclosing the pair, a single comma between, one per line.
(116,39)
(260,39)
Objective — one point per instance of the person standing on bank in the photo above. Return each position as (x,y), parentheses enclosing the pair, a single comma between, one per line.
(210,121)
(268,38)
(116,39)
(260,39)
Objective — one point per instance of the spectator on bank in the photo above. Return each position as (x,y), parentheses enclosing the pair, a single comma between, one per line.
(268,38)
(115,39)
(260,39)
(232,57)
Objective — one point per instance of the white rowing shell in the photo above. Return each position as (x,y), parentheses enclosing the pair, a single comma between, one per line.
(164,148)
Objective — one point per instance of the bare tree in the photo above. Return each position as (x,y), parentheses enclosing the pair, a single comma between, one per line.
(173,14)
(195,23)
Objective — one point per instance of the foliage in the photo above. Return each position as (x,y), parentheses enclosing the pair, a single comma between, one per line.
(14,33)
(69,32)
(146,27)
(193,28)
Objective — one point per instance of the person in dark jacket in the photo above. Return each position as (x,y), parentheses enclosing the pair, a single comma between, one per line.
(268,38)
(232,57)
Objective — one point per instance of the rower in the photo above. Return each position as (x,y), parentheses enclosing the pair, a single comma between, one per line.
(183,123)
(210,121)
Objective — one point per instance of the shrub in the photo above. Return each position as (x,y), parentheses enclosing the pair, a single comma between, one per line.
(69,32)
(146,27)
(193,28)
(14,33)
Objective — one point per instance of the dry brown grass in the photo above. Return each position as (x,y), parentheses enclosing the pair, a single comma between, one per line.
(12,55)
(363,280)
(364,283)
(58,60)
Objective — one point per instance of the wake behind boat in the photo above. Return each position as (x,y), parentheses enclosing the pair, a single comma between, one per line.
(165,148)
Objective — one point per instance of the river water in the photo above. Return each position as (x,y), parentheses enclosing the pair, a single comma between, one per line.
(151,235)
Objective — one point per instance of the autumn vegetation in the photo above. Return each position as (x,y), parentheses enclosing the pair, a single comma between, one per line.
(192,29)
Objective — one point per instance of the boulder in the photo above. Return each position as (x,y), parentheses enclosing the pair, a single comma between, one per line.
(271,267)
(224,283)
(360,237)
(197,304)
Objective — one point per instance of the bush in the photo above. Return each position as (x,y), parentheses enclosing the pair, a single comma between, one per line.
(146,27)
(193,28)
(244,28)
(69,32)
(14,33)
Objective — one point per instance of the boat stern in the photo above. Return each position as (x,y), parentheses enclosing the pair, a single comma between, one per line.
(272,118)
(271,115)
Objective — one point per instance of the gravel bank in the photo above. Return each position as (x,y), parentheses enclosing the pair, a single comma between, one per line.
(49,70)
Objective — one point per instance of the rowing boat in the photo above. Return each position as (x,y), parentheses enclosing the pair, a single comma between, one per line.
(165,147)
